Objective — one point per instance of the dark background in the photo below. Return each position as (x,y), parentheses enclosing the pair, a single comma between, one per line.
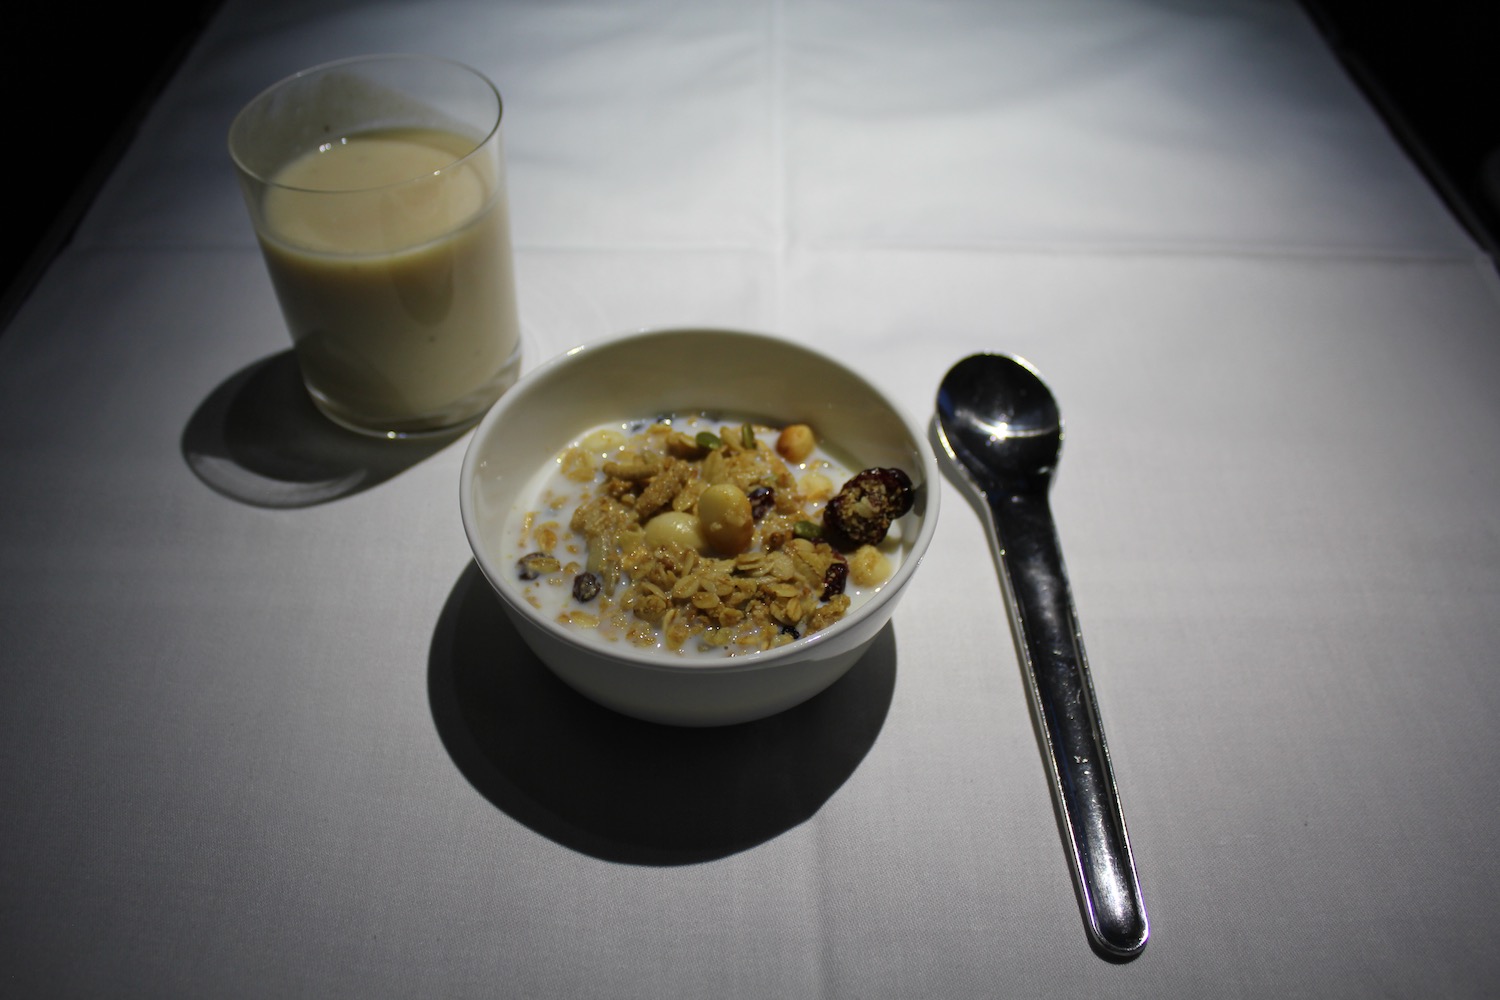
(95,95)
(1429,67)
(1432,69)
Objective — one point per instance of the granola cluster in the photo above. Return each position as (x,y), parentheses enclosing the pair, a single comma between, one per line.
(757,600)
(694,538)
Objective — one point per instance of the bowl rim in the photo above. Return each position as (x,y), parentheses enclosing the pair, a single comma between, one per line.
(653,659)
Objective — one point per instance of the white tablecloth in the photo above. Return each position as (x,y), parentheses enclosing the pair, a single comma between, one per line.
(264,733)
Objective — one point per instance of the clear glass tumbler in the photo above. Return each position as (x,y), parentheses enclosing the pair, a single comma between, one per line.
(376,186)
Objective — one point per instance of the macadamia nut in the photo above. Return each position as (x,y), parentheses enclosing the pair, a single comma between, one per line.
(726,518)
(676,528)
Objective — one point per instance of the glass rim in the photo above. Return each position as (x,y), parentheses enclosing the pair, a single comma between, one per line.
(335,64)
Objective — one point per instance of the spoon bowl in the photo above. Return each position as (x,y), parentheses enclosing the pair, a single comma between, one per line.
(1000,423)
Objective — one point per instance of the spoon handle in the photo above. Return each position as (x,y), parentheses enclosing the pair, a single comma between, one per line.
(1062,695)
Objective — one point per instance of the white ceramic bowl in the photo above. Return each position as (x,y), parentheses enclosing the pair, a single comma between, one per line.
(643,374)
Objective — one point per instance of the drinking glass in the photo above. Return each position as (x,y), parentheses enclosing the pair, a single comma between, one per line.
(376,186)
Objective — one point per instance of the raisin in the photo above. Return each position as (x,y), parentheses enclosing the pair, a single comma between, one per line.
(586,587)
(790,630)
(534,564)
(762,501)
(863,510)
(835,579)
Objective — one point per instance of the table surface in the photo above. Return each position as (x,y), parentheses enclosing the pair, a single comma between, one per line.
(264,732)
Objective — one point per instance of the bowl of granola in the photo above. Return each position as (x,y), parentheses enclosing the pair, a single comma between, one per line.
(698,526)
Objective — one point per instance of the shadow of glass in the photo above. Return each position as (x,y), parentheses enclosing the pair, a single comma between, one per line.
(629,791)
(259,439)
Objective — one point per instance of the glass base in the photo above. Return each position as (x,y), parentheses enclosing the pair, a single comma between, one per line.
(453,419)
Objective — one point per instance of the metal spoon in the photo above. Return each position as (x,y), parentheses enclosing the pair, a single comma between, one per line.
(1000,424)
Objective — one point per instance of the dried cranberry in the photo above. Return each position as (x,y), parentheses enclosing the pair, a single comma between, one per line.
(586,587)
(863,510)
(762,501)
(835,579)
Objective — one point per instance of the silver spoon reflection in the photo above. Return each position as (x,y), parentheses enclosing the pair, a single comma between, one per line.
(1000,424)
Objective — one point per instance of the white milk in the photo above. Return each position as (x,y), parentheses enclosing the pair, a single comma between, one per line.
(400,297)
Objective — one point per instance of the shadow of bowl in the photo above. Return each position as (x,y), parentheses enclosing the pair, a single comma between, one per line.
(624,790)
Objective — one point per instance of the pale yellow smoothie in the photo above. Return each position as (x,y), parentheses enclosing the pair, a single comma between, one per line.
(399,293)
